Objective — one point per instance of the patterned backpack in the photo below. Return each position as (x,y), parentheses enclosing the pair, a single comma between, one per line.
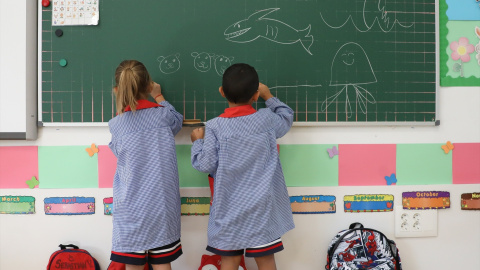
(362,248)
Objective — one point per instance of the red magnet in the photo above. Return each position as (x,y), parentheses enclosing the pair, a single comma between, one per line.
(45,3)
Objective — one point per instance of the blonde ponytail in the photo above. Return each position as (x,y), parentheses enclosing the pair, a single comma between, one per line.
(133,82)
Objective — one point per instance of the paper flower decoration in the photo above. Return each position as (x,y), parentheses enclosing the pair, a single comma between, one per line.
(461,49)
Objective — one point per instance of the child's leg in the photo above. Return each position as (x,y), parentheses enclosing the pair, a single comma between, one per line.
(231,262)
(132,260)
(134,267)
(160,258)
(264,254)
(266,262)
(166,266)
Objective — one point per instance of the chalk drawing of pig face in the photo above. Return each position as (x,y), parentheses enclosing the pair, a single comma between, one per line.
(222,63)
(169,64)
(202,61)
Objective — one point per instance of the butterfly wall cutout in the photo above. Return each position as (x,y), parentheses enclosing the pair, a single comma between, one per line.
(32,182)
(332,151)
(392,179)
(447,147)
(92,150)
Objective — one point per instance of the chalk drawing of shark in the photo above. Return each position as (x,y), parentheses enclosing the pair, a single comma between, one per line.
(257,25)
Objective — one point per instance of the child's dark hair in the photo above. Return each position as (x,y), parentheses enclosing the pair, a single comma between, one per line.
(240,83)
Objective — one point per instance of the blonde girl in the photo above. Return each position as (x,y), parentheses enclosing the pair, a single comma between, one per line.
(146,197)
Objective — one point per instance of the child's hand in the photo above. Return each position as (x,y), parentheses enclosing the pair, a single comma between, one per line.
(197,133)
(264,91)
(156,92)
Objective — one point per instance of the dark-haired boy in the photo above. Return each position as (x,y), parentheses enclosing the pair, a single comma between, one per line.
(251,207)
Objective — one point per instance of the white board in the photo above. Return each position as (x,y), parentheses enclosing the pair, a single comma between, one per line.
(18,70)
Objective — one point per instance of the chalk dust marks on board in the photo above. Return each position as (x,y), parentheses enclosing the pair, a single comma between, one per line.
(374,12)
(258,25)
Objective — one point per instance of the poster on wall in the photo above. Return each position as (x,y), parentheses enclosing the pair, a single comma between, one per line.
(368,203)
(313,204)
(421,200)
(471,201)
(108,206)
(69,206)
(195,206)
(75,12)
(459,43)
(17,205)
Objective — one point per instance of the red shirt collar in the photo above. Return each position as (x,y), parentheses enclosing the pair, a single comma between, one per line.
(238,111)
(143,104)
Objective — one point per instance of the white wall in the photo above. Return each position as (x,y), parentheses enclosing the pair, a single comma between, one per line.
(26,241)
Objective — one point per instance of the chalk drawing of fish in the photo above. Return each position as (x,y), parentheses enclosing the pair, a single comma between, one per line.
(257,25)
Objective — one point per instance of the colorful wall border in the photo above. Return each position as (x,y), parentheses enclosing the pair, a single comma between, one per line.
(304,165)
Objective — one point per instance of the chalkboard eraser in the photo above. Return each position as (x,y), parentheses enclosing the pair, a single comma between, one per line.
(193,123)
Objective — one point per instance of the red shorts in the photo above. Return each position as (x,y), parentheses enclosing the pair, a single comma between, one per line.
(258,251)
(160,255)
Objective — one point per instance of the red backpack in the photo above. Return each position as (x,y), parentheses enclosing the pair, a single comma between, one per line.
(213,262)
(73,258)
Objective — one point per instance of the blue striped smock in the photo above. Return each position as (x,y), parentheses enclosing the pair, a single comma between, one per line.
(251,206)
(146,197)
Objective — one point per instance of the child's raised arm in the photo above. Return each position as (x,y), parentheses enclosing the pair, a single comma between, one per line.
(156,92)
(177,119)
(264,91)
(284,114)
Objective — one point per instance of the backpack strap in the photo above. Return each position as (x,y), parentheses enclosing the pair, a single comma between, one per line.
(393,246)
(67,246)
(356,225)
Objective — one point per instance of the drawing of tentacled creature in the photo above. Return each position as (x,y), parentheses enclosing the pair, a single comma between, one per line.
(351,68)
(374,12)
(169,64)
(258,25)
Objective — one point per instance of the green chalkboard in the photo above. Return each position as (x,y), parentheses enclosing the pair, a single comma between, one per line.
(331,60)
